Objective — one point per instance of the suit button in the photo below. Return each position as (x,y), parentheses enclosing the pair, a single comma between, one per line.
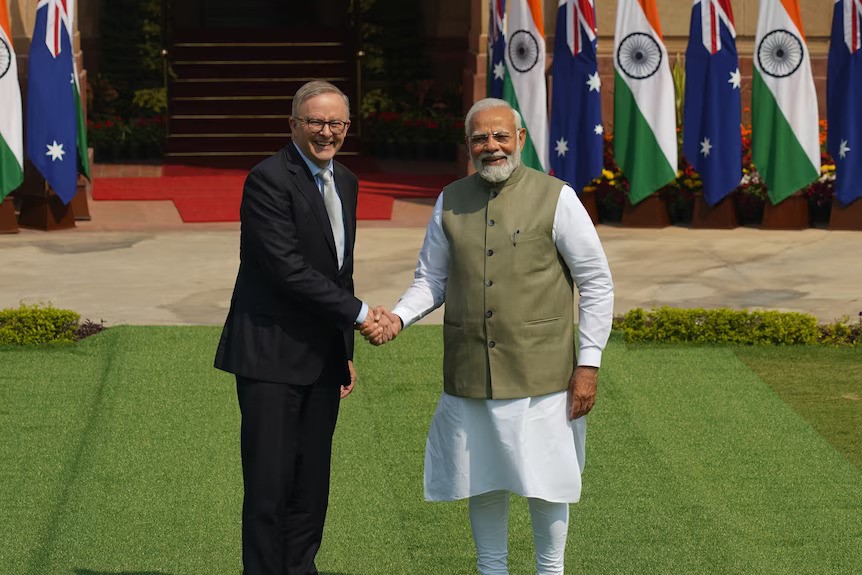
(492,344)
(489,283)
(489,313)
(493,195)
(490,252)
(491,223)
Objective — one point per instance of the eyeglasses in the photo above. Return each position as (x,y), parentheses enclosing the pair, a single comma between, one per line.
(481,140)
(315,126)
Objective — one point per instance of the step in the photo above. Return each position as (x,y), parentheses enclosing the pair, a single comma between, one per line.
(260,51)
(261,143)
(289,68)
(265,86)
(232,105)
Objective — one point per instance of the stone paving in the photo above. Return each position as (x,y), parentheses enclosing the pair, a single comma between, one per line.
(137,263)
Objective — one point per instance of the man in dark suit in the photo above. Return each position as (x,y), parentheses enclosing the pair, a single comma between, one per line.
(288,337)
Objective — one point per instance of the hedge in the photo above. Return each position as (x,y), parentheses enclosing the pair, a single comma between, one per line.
(37,324)
(675,325)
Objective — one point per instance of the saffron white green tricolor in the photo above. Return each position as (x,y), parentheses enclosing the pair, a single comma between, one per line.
(645,144)
(524,83)
(11,127)
(785,134)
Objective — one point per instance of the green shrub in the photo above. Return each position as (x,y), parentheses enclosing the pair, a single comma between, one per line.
(841,332)
(35,324)
(673,325)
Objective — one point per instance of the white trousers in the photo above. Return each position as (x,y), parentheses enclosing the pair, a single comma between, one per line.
(489,518)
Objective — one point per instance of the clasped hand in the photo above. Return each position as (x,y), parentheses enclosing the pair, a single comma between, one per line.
(380,326)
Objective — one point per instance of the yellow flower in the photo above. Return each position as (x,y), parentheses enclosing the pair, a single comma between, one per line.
(608,174)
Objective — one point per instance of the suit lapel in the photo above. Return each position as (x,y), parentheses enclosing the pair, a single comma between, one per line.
(309,190)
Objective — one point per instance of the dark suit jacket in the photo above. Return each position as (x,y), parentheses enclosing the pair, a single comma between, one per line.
(291,306)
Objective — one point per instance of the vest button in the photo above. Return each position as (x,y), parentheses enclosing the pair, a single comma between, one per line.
(492,344)
(489,283)
(490,252)
(493,195)
(489,313)
(491,223)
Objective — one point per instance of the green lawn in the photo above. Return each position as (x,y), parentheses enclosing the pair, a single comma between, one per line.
(119,456)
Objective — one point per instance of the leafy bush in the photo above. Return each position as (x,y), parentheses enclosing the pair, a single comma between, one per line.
(673,325)
(841,332)
(35,324)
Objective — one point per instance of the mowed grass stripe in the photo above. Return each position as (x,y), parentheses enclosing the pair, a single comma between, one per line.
(49,402)
(694,465)
(704,469)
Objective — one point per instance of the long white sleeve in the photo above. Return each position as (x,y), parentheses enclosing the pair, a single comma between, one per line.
(429,280)
(578,243)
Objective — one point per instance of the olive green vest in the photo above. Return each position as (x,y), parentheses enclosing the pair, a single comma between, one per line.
(508,326)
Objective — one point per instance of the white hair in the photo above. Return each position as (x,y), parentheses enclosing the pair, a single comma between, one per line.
(486,104)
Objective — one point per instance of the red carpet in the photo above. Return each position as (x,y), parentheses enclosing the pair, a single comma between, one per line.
(209,195)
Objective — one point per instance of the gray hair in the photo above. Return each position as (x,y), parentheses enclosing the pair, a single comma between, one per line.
(486,104)
(316,88)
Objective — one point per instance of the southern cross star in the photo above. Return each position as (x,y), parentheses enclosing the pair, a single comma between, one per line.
(705,147)
(735,79)
(562,147)
(594,82)
(843,149)
(55,150)
(599,130)
(499,70)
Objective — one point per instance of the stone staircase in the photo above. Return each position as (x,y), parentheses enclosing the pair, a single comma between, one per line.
(231,92)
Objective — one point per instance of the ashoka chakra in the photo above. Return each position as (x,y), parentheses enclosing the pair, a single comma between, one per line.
(779,53)
(5,57)
(639,56)
(523,51)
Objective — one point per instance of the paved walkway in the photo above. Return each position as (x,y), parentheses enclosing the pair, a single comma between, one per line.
(137,263)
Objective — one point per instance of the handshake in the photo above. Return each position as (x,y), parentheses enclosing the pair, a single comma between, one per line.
(380,326)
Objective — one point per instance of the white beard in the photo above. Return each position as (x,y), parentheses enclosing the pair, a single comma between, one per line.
(501,173)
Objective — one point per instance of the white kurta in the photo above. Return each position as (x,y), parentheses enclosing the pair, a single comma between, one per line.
(526,446)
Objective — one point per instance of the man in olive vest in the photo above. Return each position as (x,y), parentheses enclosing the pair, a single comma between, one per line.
(504,249)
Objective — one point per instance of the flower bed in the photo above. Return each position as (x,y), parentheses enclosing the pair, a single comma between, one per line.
(612,188)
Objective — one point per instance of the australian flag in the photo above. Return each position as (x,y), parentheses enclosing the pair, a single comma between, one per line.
(497,49)
(712,141)
(52,131)
(576,99)
(843,93)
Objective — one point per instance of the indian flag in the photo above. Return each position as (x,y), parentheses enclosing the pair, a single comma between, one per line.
(785,135)
(645,146)
(524,83)
(11,127)
(83,157)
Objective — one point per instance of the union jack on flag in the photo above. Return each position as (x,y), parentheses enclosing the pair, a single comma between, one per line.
(52,130)
(712,114)
(577,134)
(497,49)
(58,16)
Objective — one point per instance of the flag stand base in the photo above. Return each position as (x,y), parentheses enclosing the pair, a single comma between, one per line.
(589,201)
(8,221)
(790,214)
(649,213)
(46,213)
(79,203)
(721,216)
(849,218)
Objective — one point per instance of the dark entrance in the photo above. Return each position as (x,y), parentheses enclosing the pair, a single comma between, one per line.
(235,67)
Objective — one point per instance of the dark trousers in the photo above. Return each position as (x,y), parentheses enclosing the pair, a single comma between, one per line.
(286,443)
